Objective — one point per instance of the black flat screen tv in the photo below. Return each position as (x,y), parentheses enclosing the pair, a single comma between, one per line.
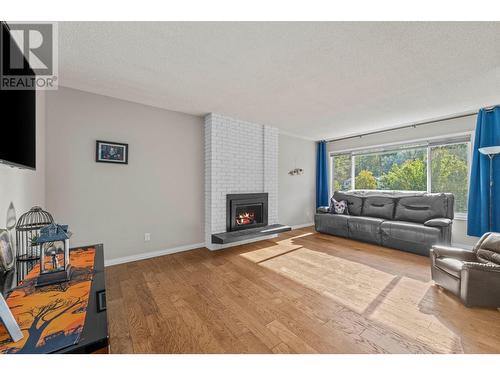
(17,116)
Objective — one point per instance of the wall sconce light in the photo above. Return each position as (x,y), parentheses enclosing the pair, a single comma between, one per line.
(296,171)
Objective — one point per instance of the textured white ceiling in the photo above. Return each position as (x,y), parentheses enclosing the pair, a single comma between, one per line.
(315,80)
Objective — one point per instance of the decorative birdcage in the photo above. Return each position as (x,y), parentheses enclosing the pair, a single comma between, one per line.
(27,232)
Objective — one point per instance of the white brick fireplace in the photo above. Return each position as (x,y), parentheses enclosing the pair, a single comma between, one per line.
(240,157)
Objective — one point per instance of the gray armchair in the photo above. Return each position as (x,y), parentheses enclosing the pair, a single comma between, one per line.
(473,275)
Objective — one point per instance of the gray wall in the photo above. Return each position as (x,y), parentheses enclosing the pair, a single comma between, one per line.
(296,198)
(22,187)
(160,191)
(444,128)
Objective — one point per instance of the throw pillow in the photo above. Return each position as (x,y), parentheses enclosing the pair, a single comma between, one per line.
(338,207)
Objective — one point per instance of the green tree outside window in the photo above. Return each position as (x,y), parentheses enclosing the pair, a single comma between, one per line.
(365,180)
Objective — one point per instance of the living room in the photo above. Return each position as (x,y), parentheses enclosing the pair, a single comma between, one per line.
(258,187)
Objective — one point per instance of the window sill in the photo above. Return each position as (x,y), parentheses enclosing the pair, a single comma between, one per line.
(461,216)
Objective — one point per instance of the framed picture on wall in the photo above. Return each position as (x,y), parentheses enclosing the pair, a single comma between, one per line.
(111,152)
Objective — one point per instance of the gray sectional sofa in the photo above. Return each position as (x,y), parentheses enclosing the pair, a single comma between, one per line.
(412,222)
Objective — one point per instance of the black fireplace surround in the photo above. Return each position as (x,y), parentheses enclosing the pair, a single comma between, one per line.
(245,211)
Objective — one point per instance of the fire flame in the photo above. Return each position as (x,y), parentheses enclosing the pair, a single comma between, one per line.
(245,218)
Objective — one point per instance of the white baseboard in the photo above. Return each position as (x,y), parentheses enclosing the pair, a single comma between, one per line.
(152,254)
(178,249)
(298,226)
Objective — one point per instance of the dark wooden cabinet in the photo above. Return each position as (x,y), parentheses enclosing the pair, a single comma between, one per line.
(94,336)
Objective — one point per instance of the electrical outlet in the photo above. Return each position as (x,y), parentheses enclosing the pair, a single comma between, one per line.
(147,236)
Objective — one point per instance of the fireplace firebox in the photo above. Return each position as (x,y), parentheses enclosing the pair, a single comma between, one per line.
(245,211)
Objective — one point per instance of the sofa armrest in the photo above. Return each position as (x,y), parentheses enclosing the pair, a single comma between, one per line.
(438,251)
(485,267)
(439,222)
(323,210)
(480,284)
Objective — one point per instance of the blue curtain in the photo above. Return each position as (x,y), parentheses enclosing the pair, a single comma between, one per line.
(487,134)
(321,176)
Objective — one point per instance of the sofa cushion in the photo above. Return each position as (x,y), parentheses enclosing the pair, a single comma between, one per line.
(365,228)
(489,250)
(332,224)
(450,265)
(488,256)
(413,237)
(420,208)
(378,206)
(354,201)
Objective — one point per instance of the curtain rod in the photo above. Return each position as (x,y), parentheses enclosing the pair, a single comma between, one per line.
(414,125)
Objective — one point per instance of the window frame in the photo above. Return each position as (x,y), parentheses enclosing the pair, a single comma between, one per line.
(429,143)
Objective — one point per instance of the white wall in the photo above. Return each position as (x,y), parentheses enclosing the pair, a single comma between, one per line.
(160,191)
(240,157)
(296,193)
(461,125)
(25,188)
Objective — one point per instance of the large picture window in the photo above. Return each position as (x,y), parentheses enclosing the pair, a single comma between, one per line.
(450,172)
(435,167)
(342,165)
(403,169)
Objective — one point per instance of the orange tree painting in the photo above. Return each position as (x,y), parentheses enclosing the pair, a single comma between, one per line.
(51,317)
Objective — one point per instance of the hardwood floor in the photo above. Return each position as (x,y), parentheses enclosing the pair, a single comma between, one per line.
(303,292)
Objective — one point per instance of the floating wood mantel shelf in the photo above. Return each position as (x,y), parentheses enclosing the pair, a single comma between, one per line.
(248,234)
